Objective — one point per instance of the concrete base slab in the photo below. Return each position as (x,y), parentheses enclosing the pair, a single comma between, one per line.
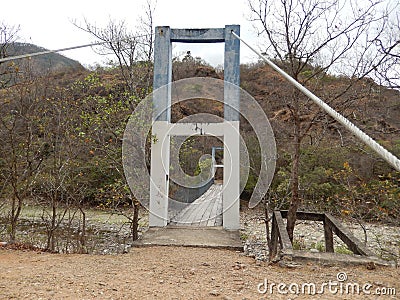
(339,259)
(208,237)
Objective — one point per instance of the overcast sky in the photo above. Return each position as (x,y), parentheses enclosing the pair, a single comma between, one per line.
(49,23)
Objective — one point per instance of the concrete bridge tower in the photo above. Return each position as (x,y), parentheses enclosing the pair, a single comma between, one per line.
(161,128)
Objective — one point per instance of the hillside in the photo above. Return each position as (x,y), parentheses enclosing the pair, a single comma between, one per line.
(42,64)
(373,108)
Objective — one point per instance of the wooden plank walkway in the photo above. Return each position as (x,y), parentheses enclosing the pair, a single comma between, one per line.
(204,211)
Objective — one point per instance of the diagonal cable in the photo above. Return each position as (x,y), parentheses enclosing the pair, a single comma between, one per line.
(381,151)
(59,50)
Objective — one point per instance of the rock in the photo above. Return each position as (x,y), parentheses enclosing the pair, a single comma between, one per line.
(258,263)
(275,259)
(239,266)
(215,293)
(314,268)
(289,264)
(371,266)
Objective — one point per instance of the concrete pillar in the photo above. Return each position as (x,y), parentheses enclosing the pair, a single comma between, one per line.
(162,74)
(159,183)
(232,74)
(159,171)
(231,189)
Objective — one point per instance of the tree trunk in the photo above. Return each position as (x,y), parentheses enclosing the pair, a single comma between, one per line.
(50,241)
(16,207)
(266,216)
(12,224)
(13,230)
(295,199)
(135,220)
(82,238)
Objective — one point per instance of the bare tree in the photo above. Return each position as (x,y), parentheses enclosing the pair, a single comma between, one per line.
(133,49)
(59,187)
(19,130)
(388,44)
(8,35)
(309,39)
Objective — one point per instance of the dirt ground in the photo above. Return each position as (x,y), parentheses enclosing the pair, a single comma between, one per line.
(180,273)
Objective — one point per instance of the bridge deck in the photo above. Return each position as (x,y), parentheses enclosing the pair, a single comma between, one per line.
(204,211)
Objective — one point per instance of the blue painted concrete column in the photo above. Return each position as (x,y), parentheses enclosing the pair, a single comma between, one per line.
(162,73)
(232,73)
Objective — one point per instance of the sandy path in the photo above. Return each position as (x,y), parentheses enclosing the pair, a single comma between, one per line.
(168,273)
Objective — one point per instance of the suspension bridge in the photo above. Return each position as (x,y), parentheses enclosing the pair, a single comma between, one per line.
(218,208)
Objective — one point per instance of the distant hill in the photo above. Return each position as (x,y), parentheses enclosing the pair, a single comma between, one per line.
(47,63)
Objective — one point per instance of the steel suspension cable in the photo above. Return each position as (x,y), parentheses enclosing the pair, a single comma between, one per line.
(48,52)
(381,151)
(62,49)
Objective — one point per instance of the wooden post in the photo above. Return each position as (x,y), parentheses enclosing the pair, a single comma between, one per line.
(274,237)
(347,237)
(285,242)
(328,237)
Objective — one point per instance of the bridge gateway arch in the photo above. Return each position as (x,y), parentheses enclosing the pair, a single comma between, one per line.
(163,129)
